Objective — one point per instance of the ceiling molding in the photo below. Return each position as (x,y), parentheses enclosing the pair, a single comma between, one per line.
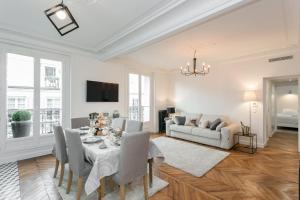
(179,19)
(151,15)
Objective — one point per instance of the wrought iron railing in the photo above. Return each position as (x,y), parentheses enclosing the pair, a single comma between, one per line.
(48,118)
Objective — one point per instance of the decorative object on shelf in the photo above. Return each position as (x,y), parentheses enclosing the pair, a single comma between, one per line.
(245,129)
(194,71)
(170,110)
(21,123)
(61,18)
(250,96)
(116,114)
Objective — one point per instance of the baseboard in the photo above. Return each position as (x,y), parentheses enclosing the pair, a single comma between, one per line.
(25,154)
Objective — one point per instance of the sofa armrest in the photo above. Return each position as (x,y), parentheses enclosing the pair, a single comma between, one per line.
(227,133)
(168,123)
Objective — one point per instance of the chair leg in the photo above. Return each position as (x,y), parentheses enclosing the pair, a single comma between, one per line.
(79,187)
(111,183)
(62,172)
(122,192)
(56,168)
(146,186)
(70,178)
(102,183)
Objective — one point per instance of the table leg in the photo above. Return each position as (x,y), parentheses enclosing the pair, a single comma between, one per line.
(150,161)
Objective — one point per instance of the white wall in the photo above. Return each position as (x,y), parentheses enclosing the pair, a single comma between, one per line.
(86,68)
(284,99)
(221,92)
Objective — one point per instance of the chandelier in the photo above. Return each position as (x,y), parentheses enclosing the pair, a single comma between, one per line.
(194,71)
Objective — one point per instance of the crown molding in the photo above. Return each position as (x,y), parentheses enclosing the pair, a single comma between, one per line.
(151,15)
(190,13)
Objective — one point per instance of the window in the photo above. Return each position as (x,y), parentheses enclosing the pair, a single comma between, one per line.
(139,97)
(23,94)
(20,87)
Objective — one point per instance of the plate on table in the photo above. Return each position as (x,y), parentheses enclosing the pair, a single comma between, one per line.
(83,132)
(84,128)
(91,140)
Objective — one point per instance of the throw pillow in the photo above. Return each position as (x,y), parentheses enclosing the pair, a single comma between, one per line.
(179,120)
(204,124)
(221,125)
(190,122)
(215,123)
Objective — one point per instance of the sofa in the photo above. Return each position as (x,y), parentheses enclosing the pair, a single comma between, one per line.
(222,138)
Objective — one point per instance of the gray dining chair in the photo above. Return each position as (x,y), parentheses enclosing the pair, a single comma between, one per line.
(133,126)
(133,161)
(60,152)
(80,122)
(77,164)
(118,123)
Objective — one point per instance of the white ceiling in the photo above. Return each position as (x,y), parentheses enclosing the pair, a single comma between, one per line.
(259,27)
(99,20)
(108,28)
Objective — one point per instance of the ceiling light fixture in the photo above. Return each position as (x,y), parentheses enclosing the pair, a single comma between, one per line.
(194,71)
(61,18)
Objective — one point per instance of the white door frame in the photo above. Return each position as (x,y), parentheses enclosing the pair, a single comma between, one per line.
(265,105)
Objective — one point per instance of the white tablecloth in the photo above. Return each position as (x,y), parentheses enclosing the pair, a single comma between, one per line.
(106,161)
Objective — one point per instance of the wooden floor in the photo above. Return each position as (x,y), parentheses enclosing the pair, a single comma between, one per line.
(270,174)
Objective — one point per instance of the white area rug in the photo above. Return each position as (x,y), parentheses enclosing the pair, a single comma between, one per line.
(192,158)
(133,192)
(9,181)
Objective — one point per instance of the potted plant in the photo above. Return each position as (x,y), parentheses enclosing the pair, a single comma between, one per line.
(21,124)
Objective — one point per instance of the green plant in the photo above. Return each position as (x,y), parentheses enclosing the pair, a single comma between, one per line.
(21,115)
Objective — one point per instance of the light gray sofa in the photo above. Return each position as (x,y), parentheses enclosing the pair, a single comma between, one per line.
(222,139)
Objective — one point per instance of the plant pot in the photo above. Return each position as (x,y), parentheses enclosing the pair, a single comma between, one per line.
(21,128)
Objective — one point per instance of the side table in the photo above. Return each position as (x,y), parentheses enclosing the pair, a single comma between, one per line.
(251,148)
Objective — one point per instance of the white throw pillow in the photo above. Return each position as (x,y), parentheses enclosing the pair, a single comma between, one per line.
(220,126)
(204,124)
(190,117)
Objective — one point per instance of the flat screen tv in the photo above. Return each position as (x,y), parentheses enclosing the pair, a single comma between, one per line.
(102,92)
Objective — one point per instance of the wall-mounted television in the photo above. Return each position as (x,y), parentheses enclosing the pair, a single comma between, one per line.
(102,92)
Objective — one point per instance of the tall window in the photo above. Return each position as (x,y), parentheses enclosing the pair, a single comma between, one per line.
(20,89)
(139,97)
(23,94)
(50,91)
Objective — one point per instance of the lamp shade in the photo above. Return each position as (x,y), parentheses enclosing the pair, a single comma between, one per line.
(250,95)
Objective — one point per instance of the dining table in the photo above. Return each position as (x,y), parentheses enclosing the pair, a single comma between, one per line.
(106,160)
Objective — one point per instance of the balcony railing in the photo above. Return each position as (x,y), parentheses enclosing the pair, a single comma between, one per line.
(52,82)
(48,118)
(134,113)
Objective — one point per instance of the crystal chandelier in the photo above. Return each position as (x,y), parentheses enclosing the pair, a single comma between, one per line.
(194,71)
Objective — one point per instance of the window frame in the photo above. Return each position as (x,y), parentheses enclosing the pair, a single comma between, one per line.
(37,140)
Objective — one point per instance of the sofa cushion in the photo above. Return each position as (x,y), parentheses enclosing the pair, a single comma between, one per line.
(182,129)
(215,123)
(206,132)
(212,118)
(180,120)
(220,126)
(190,117)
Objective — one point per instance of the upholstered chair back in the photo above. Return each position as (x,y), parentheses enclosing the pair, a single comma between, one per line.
(133,126)
(118,123)
(79,122)
(60,145)
(134,156)
(75,151)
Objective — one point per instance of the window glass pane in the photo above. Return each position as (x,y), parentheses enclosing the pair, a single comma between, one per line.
(20,70)
(20,95)
(19,101)
(134,96)
(145,98)
(51,95)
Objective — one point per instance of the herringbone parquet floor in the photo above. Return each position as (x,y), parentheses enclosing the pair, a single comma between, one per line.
(270,174)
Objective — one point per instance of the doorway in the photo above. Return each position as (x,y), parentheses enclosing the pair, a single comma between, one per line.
(281,107)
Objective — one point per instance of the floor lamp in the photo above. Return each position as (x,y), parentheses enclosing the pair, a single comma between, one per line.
(250,96)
